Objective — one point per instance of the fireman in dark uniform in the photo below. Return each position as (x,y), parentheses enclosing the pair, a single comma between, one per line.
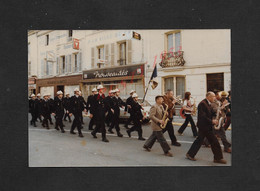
(109,100)
(45,110)
(58,111)
(38,105)
(51,106)
(137,117)
(117,103)
(33,109)
(89,105)
(99,109)
(83,108)
(75,108)
(129,101)
(66,101)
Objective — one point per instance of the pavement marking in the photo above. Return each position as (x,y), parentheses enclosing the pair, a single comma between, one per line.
(108,134)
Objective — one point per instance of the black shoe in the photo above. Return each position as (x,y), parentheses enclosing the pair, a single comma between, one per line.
(62,131)
(70,121)
(177,144)
(105,140)
(72,132)
(81,127)
(146,148)
(34,124)
(110,131)
(128,132)
(141,138)
(57,128)
(94,135)
(51,123)
(80,135)
(190,158)
(43,125)
(47,127)
(119,134)
(31,122)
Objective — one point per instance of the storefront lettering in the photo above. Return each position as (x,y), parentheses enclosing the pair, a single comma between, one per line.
(110,74)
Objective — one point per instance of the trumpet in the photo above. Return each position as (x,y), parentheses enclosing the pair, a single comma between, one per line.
(178,100)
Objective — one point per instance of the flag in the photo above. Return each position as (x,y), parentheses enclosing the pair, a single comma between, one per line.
(154,78)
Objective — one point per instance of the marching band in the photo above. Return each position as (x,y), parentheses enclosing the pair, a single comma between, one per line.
(214,117)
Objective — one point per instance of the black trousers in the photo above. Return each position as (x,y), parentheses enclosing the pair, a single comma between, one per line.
(228,122)
(169,128)
(188,120)
(81,118)
(34,117)
(67,115)
(100,126)
(159,136)
(45,120)
(108,118)
(137,127)
(39,116)
(131,118)
(76,122)
(49,118)
(91,123)
(215,146)
(59,122)
(115,122)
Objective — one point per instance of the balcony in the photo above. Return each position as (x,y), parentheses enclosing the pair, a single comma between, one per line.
(172,59)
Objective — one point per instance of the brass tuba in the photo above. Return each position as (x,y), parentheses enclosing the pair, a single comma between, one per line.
(165,118)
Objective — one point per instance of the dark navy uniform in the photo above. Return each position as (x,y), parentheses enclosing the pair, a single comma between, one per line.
(45,112)
(108,120)
(89,104)
(76,105)
(84,106)
(137,117)
(33,110)
(51,101)
(129,101)
(99,109)
(38,106)
(66,103)
(117,103)
(58,109)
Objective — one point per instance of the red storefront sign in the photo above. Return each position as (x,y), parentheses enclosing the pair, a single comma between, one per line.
(76,44)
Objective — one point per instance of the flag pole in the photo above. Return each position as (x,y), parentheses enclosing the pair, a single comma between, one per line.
(146,90)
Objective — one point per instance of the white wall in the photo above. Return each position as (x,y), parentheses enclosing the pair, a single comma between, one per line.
(49,89)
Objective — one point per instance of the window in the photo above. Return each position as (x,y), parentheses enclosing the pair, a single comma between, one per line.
(215,82)
(176,84)
(101,54)
(70,33)
(47,40)
(29,68)
(77,62)
(174,42)
(49,68)
(122,53)
(63,66)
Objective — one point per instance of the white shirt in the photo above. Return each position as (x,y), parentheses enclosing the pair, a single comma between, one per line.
(185,103)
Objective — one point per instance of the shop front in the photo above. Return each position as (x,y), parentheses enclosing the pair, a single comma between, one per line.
(31,86)
(125,78)
(66,84)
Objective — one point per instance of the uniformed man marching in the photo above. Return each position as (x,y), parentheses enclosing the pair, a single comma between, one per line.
(99,109)
(129,101)
(89,105)
(38,105)
(83,108)
(45,110)
(137,117)
(109,100)
(117,103)
(75,108)
(51,101)
(33,109)
(66,106)
(58,111)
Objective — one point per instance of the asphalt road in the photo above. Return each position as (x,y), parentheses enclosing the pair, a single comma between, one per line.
(51,148)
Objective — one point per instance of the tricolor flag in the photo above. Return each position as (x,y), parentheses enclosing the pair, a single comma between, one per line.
(154,78)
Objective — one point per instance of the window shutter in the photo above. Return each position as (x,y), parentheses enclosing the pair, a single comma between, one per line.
(79,61)
(50,68)
(106,55)
(112,60)
(69,63)
(129,52)
(92,57)
(60,65)
(66,64)
(57,65)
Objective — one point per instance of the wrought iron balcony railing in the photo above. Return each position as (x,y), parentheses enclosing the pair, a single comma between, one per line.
(172,59)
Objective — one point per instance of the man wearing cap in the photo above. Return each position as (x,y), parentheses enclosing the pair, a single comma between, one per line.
(156,115)
(51,106)
(33,109)
(38,105)
(75,108)
(66,106)
(129,101)
(99,109)
(89,105)
(137,117)
(58,111)
(109,100)
(45,110)
(117,103)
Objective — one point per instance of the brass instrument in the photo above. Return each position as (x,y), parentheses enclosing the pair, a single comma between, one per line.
(165,118)
(194,108)
(178,100)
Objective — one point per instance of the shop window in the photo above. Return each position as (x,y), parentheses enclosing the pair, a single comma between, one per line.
(215,82)
(176,84)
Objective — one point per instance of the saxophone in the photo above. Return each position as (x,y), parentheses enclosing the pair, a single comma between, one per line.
(165,118)
(194,108)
